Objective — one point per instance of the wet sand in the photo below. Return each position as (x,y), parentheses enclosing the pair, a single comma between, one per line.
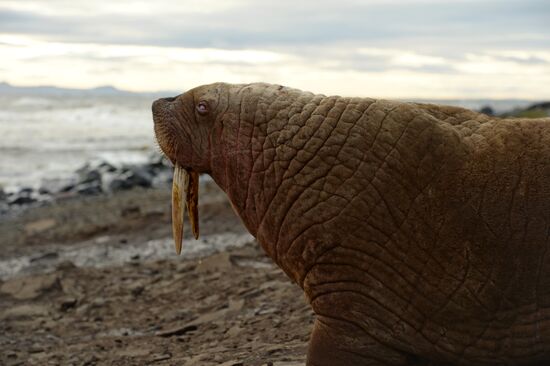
(83,283)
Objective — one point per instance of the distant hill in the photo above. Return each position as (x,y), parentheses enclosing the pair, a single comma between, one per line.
(498,107)
(535,110)
(8,89)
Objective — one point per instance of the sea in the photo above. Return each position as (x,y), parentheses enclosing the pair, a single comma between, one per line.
(48,137)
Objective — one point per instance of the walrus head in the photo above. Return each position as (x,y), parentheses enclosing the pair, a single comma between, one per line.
(183,126)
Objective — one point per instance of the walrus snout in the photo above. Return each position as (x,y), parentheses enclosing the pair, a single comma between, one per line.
(160,104)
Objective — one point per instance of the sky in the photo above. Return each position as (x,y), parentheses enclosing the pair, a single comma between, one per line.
(379,48)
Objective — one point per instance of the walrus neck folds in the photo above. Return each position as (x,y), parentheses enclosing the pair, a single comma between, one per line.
(244,142)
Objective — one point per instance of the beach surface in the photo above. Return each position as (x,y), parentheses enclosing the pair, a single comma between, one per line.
(95,281)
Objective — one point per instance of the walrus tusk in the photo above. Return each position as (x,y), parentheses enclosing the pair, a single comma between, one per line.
(193,202)
(185,192)
(179,193)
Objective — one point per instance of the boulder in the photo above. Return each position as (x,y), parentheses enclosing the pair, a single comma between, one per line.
(132,176)
(89,188)
(23,197)
(25,191)
(488,110)
(51,186)
(106,167)
(88,174)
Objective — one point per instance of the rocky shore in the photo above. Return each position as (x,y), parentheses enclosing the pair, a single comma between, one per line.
(88,276)
(93,178)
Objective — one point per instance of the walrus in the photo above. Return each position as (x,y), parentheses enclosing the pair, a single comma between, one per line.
(419,233)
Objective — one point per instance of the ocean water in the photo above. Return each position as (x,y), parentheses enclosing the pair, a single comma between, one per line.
(45,138)
(49,137)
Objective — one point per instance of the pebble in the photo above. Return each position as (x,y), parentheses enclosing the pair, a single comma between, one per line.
(161,357)
(232,363)
(177,331)
(24,311)
(67,303)
(26,288)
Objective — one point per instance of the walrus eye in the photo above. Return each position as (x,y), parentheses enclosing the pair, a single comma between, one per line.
(202,107)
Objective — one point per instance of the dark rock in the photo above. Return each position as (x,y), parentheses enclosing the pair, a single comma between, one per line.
(488,110)
(177,331)
(67,303)
(67,187)
(93,171)
(24,196)
(23,199)
(91,360)
(25,191)
(134,176)
(3,195)
(46,256)
(137,290)
(65,265)
(44,190)
(141,176)
(161,357)
(89,176)
(89,189)
(118,184)
(106,167)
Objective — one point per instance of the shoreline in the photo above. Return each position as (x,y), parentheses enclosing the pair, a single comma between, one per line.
(94,178)
(95,280)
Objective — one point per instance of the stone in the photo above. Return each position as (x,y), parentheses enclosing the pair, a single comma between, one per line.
(136,289)
(232,363)
(26,288)
(52,186)
(141,176)
(26,191)
(89,188)
(488,110)
(39,226)
(161,357)
(130,178)
(91,176)
(25,311)
(177,331)
(218,262)
(105,166)
(67,187)
(67,303)
(21,199)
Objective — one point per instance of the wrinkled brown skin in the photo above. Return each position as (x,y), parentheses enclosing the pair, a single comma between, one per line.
(419,233)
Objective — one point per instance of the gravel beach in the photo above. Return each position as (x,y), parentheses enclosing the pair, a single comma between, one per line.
(95,281)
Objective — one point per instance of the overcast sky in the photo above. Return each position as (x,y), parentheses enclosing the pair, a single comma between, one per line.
(378,48)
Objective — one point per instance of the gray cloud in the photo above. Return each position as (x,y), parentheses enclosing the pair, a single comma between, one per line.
(413,25)
(327,31)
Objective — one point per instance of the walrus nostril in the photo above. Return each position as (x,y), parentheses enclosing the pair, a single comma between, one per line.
(169,99)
